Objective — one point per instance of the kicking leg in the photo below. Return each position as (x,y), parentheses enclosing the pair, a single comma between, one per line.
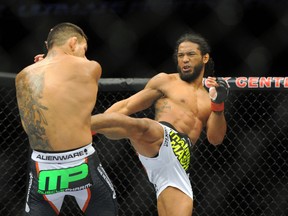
(146,135)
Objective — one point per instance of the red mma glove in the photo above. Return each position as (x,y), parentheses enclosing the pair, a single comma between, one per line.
(218,95)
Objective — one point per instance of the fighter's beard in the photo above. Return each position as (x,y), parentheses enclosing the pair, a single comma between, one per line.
(190,77)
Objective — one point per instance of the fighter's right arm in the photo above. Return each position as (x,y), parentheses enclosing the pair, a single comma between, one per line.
(141,100)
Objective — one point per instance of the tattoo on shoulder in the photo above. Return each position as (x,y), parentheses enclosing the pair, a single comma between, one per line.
(29,95)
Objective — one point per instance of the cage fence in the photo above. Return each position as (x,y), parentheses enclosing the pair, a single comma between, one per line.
(246,175)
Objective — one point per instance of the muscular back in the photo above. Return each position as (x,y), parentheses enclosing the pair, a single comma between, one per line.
(55,98)
(184,105)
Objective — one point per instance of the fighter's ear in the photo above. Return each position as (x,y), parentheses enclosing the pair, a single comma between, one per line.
(206,58)
(72,43)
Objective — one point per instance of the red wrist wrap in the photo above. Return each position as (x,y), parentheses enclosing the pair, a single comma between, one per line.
(93,133)
(217,107)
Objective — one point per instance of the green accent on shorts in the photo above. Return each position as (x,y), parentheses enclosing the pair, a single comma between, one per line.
(53,181)
(181,149)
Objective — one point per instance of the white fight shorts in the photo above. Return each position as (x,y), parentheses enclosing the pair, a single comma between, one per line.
(170,166)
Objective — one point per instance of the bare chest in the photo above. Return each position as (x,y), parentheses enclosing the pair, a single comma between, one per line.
(186,101)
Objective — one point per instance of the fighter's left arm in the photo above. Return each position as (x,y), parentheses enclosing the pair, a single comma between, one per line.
(216,127)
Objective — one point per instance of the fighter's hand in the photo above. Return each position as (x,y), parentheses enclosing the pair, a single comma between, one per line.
(39,57)
(218,93)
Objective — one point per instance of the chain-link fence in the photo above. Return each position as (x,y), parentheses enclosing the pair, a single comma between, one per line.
(246,175)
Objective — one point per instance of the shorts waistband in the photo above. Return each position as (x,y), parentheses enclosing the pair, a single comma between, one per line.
(172,127)
(63,157)
(167,124)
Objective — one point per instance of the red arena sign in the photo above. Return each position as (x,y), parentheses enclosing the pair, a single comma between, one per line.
(255,82)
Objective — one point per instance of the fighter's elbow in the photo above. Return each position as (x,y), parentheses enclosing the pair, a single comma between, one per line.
(214,140)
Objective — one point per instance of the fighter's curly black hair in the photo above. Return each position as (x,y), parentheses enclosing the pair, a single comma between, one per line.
(203,47)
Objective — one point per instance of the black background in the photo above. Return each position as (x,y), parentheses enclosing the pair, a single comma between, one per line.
(137,38)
